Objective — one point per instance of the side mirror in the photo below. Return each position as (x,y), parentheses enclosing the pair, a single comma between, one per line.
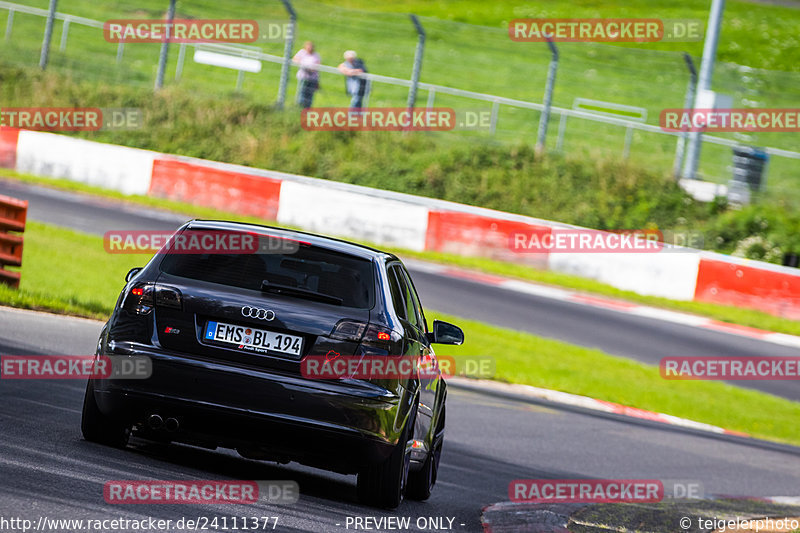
(446,333)
(132,272)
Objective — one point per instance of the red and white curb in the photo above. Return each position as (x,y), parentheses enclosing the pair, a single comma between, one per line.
(603,302)
(524,392)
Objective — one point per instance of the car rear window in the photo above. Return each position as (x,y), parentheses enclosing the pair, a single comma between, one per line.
(310,268)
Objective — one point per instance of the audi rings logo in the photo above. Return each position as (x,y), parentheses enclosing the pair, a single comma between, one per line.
(257,312)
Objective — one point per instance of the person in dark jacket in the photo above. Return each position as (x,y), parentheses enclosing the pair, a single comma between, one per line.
(355,85)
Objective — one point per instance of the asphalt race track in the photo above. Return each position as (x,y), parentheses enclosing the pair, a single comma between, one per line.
(48,471)
(644,339)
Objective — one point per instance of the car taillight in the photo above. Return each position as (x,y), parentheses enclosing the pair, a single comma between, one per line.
(348,330)
(375,340)
(168,297)
(139,299)
(379,340)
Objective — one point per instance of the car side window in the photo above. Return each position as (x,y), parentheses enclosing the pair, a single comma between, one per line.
(408,299)
(423,324)
(397,294)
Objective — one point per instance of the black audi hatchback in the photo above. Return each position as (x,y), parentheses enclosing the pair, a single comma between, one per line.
(226,333)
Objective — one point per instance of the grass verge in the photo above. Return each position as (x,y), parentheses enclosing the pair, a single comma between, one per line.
(589,190)
(70,272)
(551,364)
(735,315)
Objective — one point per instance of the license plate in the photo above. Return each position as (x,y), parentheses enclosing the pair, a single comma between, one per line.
(252,339)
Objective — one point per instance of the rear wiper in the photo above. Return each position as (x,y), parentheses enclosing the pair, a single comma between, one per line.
(277,288)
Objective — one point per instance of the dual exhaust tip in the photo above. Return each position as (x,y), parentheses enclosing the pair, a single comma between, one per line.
(156,422)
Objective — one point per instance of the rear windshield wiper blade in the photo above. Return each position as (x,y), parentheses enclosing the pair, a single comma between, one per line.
(277,288)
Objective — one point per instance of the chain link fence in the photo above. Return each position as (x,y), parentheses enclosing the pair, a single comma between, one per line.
(464,67)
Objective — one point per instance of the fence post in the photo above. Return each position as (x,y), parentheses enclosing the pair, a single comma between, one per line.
(431,97)
(181,59)
(367,92)
(162,58)
(48,35)
(412,91)
(287,54)
(562,126)
(12,218)
(64,33)
(9,23)
(495,111)
(680,149)
(626,151)
(548,96)
(704,81)
(120,51)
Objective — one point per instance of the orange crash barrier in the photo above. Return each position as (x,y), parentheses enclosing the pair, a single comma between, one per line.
(12,223)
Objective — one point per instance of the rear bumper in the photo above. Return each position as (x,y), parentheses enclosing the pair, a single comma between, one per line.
(341,425)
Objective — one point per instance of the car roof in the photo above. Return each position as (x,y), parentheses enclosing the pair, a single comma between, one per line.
(313,239)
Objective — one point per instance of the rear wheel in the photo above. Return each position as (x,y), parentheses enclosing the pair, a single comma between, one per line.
(97,427)
(421,482)
(384,485)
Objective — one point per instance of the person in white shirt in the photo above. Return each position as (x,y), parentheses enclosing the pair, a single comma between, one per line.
(307,75)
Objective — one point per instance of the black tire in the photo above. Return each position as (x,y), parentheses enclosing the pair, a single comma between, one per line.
(384,485)
(96,427)
(421,482)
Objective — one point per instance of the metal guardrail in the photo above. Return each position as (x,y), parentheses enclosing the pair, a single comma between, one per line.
(432,89)
(13,213)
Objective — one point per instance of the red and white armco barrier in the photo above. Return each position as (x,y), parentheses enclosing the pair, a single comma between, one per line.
(734,281)
(119,168)
(222,189)
(352,214)
(395,219)
(8,147)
